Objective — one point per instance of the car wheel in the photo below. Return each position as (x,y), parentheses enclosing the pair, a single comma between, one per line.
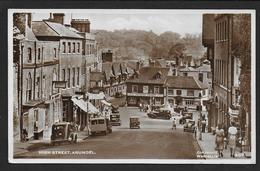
(105,132)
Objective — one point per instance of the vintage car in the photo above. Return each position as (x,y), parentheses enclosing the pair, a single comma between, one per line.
(100,125)
(160,114)
(185,116)
(115,109)
(189,126)
(62,132)
(115,119)
(134,122)
(119,95)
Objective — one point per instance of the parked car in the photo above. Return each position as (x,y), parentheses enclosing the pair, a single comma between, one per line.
(185,116)
(63,132)
(115,109)
(115,119)
(119,95)
(100,125)
(189,126)
(161,114)
(134,122)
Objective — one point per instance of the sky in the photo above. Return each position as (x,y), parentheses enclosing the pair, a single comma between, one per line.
(158,21)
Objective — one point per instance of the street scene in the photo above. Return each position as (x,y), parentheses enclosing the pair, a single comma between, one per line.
(115,85)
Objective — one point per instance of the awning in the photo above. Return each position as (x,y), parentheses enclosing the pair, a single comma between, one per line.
(99,96)
(106,103)
(85,106)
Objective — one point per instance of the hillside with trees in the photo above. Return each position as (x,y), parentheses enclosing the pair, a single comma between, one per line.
(133,44)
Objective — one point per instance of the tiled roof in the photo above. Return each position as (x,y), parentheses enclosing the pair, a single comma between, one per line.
(147,75)
(184,82)
(52,29)
(160,63)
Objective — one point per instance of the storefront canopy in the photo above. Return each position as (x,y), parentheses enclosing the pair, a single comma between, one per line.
(99,96)
(106,103)
(85,106)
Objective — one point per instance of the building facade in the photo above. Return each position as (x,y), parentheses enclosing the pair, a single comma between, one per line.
(39,102)
(147,86)
(185,91)
(220,37)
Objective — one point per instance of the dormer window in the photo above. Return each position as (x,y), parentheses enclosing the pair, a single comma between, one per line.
(158,75)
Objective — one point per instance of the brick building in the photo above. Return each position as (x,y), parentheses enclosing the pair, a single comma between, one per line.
(220,33)
(39,102)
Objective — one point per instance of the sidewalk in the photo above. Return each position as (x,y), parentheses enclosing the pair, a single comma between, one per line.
(207,145)
(23,147)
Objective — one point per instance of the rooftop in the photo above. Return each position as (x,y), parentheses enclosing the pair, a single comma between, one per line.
(52,29)
(184,82)
(148,75)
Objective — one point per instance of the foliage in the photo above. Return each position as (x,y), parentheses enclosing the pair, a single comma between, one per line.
(244,52)
(132,44)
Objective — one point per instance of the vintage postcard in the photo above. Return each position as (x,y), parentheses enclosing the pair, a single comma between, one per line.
(131,86)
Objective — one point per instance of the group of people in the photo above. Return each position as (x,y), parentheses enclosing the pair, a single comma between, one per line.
(221,140)
(144,107)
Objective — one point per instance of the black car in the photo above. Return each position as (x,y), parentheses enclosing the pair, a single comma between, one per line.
(189,126)
(115,109)
(186,116)
(160,114)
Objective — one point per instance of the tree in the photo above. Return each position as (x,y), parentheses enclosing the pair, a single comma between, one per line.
(177,50)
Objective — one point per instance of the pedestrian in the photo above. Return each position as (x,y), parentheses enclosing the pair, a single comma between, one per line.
(203,125)
(219,140)
(195,132)
(140,106)
(174,124)
(232,132)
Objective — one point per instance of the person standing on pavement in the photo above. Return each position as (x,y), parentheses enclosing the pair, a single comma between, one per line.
(174,124)
(232,132)
(219,140)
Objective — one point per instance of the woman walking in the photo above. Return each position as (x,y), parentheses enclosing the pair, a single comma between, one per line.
(220,140)
(232,132)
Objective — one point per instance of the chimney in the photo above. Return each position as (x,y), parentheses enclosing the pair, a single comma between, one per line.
(82,25)
(57,18)
(22,21)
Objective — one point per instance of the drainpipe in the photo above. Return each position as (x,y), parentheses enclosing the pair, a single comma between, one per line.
(21,91)
(34,70)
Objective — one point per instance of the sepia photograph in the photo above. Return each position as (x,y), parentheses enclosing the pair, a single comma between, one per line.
(131,86)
